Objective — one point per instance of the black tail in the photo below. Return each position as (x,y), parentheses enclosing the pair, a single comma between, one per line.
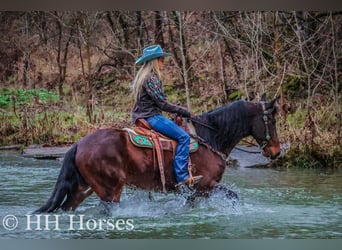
(68,180)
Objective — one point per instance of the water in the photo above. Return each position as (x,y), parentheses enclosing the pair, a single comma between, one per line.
(285,203)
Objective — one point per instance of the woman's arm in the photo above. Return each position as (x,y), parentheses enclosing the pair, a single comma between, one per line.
(154,89)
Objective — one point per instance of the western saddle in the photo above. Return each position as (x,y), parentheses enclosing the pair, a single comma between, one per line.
(142,135)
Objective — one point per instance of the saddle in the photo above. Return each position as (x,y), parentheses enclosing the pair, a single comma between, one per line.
(144,136)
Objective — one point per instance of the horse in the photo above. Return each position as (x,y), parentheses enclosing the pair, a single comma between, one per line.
(106,161)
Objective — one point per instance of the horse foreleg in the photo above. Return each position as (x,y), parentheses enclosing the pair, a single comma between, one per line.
(150,197)
(220,188)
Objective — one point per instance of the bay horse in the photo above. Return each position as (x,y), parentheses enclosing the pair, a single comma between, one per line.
(105,160)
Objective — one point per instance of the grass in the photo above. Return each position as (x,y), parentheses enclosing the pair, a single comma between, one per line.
(40,117)
(314,138)
(46,126)
(10,97)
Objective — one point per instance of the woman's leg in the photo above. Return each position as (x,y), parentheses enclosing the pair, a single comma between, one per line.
(167,127)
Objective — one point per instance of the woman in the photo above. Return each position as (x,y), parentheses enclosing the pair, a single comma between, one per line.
(150,101)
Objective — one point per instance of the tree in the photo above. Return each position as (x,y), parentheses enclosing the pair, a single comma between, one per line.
(66,27)
(86,24)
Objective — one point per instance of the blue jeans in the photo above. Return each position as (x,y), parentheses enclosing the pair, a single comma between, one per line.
(167,127)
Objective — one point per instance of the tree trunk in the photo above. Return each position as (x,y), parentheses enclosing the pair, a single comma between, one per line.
(159,30)
(85,29)
(173,39)
(125,30)
(301,45)
(184,61)
(222,72)
(62,51)
(139,29)
(26,62)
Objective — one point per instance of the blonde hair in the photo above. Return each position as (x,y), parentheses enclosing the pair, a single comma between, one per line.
(144,72)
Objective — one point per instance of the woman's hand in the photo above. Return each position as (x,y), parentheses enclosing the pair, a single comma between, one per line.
(184,113)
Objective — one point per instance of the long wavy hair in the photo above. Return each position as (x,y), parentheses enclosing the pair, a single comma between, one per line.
(148,68)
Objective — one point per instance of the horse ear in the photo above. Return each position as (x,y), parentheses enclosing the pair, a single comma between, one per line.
(283,108)
(273,105)
(263,97)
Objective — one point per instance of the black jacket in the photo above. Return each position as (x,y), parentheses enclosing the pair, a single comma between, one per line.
(152,101)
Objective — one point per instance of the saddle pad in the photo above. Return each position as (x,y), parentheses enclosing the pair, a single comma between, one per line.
(146,141)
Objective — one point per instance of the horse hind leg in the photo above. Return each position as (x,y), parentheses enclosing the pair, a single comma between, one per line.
(79,195)
(110,190)
(109,197)
(117,191)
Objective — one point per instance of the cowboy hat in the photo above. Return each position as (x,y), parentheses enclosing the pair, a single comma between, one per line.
(151,52)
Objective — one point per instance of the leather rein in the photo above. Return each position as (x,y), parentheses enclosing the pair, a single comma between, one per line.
(203,124)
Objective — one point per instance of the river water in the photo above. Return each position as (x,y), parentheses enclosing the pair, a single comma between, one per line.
(274,203)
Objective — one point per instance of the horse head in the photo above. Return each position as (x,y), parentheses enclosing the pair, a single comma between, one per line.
(264,128)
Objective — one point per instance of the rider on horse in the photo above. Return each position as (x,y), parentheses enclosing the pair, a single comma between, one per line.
(150,101)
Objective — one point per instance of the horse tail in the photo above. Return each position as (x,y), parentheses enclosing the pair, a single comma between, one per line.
(67,183)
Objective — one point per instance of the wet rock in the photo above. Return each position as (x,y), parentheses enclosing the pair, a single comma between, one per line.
(244,156)
(45,152)
(11,147)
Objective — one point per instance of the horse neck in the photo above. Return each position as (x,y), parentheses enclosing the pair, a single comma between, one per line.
(232,123)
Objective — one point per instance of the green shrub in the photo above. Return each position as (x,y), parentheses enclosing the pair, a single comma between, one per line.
(25,96)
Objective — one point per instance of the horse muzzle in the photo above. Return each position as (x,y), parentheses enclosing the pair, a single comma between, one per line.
(272,152)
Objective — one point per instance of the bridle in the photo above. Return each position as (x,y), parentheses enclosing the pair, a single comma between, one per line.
(264,143)
(265,114)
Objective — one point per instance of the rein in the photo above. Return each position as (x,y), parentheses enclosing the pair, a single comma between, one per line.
(203,124)
(248,151)
(204,143)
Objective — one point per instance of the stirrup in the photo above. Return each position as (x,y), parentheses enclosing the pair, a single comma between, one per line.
(191,181)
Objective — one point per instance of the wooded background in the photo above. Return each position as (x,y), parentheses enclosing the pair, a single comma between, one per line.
(218,56)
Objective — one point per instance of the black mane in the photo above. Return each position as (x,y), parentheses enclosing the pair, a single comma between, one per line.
(230,123)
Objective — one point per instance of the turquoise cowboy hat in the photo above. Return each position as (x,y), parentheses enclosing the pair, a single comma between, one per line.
(151,52)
